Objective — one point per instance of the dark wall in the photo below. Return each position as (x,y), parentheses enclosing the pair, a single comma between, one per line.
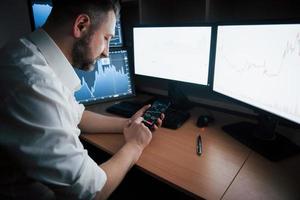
(235,10)
(14,19)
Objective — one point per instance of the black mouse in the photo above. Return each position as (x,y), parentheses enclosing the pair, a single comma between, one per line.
(204,120)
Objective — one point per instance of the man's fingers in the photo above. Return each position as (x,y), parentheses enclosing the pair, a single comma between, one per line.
(162,116)
(128,123)
(144,108)
(141,111)
(159,122)
(139,120)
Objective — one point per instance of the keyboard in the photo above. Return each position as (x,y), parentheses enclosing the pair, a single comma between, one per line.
(173,118)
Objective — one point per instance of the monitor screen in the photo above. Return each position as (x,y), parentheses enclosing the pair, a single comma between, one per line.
(110,79)
(41,10)
(117,41)
(174,53)
(260,66)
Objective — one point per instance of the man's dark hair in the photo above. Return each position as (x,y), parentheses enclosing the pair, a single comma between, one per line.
(66,10)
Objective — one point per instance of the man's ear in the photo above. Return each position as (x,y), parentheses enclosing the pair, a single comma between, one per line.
(81,25)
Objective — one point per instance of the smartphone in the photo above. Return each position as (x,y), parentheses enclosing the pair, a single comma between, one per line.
(154,112)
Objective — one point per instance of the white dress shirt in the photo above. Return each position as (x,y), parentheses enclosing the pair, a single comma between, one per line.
(39,119)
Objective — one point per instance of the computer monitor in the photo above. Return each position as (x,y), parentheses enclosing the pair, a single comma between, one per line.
(175,53)
(111,79)
(259,65)
(40,10)
(117,40)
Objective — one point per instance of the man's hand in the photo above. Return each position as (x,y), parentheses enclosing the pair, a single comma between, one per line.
(137,137)
(137,133)
(140,113)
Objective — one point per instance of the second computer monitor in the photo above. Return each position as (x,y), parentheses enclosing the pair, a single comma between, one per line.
(173,53)
(260,66)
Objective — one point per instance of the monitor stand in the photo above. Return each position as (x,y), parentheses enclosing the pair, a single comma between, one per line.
(177,113)
(177,97)
(263,139)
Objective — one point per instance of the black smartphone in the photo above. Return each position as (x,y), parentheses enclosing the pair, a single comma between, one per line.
(151,115)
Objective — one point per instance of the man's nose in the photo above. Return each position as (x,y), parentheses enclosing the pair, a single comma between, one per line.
(105,53)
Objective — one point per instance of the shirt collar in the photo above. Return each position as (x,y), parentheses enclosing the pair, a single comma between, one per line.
(56,59)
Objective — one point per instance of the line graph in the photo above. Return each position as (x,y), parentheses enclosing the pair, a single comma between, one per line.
(260,65)
(110,78)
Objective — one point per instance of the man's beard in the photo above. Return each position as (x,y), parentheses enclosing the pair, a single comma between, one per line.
(81,54)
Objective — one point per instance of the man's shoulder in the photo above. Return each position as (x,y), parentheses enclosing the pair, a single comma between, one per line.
(21,59)
(17,51)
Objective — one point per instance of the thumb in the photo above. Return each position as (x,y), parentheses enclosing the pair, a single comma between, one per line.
(128,123)
(139,120)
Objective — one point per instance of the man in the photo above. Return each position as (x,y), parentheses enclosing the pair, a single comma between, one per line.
(41,156)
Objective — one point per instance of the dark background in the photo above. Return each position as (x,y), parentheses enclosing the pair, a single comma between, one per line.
(15,22)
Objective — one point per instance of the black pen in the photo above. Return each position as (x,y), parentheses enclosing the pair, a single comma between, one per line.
(199,145)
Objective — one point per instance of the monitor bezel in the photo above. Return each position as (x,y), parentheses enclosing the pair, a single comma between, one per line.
(209,78)
(256,109)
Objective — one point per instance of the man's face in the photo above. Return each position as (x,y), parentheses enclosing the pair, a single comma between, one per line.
(94,44)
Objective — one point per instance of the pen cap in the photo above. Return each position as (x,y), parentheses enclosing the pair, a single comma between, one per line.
(204,120)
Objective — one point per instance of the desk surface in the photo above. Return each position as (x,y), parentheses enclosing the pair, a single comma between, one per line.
(263,179)
(221,171)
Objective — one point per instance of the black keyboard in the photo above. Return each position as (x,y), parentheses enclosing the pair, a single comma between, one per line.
(173,118)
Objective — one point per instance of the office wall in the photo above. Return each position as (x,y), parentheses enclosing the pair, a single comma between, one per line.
(14,20)
(220,10)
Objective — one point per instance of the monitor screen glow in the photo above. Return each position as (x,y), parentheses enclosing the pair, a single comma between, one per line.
(174,53)
(40,13)
(109,80)
(260,65)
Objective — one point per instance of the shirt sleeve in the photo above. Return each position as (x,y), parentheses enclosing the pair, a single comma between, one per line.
(43,138)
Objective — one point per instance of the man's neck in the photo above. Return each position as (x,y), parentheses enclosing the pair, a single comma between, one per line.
(63,40)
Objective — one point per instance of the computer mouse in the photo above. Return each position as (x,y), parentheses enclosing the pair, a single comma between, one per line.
(204,120)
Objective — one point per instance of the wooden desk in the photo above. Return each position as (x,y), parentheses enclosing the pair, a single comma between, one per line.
(171,156)
(222,171)
(263,179)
